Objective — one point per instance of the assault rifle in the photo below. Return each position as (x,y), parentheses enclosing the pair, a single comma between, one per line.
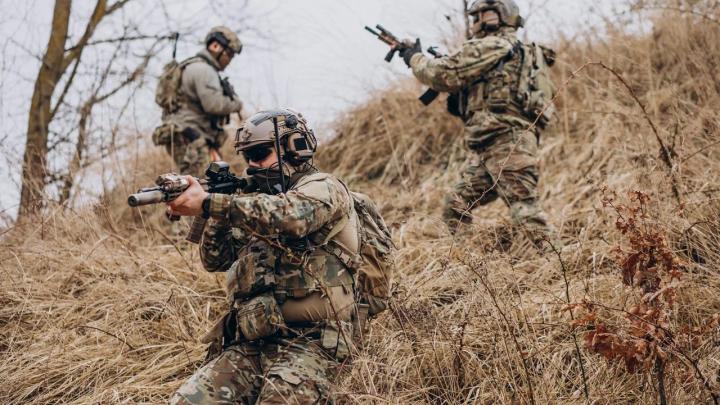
(386,36)
(227,88)
(170,186)
(397,46)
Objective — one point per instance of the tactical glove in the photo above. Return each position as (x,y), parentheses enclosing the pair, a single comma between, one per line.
(410,49)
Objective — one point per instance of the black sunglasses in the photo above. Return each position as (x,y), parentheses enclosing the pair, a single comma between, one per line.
(257,154)
(229,52)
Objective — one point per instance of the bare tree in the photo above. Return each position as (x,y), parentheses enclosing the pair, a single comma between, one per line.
(87,69)
(55,63)
(78,158)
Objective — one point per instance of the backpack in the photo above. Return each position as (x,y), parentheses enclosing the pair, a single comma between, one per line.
(375,273)
(373,264)
(168,93)
(535,89)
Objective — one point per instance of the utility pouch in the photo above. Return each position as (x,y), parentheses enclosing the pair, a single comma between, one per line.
(498,94)
(539,107)
(164,134)
(338,340)
(259,317)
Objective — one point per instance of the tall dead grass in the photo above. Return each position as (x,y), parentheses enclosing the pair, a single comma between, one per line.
(99,307)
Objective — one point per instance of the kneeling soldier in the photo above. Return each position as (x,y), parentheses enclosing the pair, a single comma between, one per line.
(284,245)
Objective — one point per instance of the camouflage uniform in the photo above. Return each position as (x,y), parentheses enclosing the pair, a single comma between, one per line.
(295,364)
(503,155)
(204,108)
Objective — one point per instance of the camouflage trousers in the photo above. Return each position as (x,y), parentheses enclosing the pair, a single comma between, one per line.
(507,168)
(191,158)
(282,372)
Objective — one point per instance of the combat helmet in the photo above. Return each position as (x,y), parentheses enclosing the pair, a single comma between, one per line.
(508,11)
(225,37)
(294,138)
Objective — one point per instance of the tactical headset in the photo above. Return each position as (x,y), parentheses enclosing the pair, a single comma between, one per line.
(293,140)
(300,144)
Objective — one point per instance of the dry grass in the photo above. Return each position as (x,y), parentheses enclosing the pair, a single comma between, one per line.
(97,307)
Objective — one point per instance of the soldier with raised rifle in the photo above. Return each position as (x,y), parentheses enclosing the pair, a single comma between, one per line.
(500,87)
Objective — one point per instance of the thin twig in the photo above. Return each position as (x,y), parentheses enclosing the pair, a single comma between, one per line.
(572,317)
(109,334)
(483,281)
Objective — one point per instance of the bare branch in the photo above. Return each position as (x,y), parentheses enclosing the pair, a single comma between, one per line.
(65,89)
(123,39)
(95,18)
(116,6)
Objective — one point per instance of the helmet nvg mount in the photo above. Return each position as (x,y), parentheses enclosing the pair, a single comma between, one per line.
(508,11)
(225,37)
(285,129)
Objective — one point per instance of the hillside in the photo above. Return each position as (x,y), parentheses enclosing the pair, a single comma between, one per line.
(100,306)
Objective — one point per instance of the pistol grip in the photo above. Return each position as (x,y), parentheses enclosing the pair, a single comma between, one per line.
(196,230)
(429,96)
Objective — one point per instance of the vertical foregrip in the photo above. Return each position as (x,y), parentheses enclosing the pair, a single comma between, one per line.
(196,229)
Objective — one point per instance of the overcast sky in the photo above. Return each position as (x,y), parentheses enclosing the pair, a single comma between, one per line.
(317,57)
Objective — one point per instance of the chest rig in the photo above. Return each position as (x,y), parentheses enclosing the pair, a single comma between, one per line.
(296,268)
(497,90)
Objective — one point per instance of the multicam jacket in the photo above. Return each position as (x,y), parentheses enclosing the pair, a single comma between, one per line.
(203,105)
(264,242)
(489,68)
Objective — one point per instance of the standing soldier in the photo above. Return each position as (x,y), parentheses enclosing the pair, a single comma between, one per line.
(286,245)
(196,103)
(500,87)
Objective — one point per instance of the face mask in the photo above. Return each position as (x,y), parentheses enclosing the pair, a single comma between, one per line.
(268,181)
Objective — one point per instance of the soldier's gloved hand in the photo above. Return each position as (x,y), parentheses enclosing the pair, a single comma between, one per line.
(228,89)
(189,203)
(410,48)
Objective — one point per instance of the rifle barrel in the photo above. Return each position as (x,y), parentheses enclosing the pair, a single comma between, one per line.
(146,198)
(372,31)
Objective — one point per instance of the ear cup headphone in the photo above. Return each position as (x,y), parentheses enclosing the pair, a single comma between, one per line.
(299,142)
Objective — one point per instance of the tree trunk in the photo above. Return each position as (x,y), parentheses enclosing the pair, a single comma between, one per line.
(76,161)
(39,116)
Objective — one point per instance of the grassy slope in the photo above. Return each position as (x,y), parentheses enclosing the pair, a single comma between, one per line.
(97,307)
